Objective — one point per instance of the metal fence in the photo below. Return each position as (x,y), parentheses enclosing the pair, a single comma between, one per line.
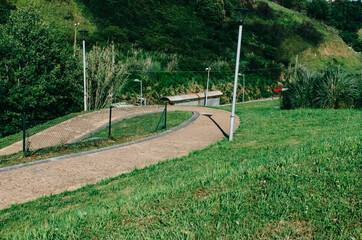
(103,125)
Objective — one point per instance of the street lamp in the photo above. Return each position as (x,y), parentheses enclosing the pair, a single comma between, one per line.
(207,85)
(137,80)
(83,34)
(241,15)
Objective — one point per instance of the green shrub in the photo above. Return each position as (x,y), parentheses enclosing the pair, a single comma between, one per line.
(300,91)
(38,74)
(105,77)
(336,89)
(266,11)
(328,88)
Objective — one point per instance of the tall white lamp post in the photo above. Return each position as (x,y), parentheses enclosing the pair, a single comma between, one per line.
(241,15)
(84,34)
(137,80)
(207,85)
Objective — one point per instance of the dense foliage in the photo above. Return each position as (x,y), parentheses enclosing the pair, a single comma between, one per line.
(38,74)
(175,41)
(5,8)
(200,32)
(327,88)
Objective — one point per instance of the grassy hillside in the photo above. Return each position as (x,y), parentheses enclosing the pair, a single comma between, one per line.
(185,28)
(331,49)
(287,174)
(193,35)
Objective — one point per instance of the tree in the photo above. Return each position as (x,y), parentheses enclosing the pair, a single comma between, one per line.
(319,9)
(38,74)
(212,11)
(5,8)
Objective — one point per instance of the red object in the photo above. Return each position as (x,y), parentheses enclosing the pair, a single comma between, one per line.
(196,95)
(277,90)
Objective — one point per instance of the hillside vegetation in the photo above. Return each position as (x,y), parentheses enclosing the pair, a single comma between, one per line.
(286,175)
(168,44)
(202,32)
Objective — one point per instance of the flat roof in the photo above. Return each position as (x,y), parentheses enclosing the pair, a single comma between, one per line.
(192,96)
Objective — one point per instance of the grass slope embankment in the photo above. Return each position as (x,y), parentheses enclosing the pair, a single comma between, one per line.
(332,48)
(287,174)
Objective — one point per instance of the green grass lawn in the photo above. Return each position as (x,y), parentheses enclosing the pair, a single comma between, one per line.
(286,175)
(143,125)
(125,131)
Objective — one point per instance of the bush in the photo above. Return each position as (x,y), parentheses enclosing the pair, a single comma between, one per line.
(300,91)
(337,89)
(264,9)
(328,88)
(319,9)
(38,73)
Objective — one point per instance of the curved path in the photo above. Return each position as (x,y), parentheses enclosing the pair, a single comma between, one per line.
(28,183)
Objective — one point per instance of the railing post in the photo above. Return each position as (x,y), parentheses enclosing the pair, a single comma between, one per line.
(110,122)
(24,134)
(165,115)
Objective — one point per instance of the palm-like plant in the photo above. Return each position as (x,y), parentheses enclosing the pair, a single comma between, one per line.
(300,89)
(336,89)
(330,87)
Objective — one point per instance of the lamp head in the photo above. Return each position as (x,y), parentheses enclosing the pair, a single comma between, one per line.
(83,33)
(137,80)
(241,14)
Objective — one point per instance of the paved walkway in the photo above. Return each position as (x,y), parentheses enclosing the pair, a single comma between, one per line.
(28,183)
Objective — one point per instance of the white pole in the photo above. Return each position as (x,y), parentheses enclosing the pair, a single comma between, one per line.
(75,37)
(84,76)
(235,84)
(207,85)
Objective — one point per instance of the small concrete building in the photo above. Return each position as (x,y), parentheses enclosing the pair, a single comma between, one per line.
(213,99)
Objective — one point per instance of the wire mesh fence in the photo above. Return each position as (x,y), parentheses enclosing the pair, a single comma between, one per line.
(94,128)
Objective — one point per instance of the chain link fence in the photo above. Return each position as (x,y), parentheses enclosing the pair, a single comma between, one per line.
(112,124)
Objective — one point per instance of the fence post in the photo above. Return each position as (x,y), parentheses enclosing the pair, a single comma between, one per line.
(24,134)
(165,115)
(110,122)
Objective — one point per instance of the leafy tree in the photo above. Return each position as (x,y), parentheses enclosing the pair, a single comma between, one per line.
(212,11)
(266,11)
(5,8)
(38,74)
(347,17)
(319,9)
